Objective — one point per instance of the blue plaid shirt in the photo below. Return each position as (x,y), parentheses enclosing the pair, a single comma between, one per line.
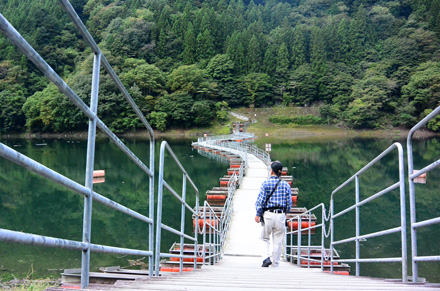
(281,198)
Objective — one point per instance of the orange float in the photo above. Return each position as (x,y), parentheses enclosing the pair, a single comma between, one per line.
(215,197)
(326,263)
(213,223)
(190,260)
(294,224)
(175,269)
(223,183)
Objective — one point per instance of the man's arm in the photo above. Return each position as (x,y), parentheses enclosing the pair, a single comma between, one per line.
(289,197)
(259,202)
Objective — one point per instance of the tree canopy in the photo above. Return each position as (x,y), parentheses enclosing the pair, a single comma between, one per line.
(367,63)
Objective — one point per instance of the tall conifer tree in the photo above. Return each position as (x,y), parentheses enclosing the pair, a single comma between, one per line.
(189,45)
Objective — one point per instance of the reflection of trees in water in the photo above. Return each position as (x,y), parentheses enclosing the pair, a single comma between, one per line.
(321,167)
(33,204)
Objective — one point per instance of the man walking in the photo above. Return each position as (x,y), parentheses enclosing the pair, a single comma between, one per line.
(274,200)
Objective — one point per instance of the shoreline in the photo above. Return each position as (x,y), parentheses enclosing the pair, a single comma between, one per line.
(284,133)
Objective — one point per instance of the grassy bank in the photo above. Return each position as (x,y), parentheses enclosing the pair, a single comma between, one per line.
(28,284)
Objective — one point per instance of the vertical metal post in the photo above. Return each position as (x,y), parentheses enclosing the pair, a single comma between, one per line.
(403,214)
(210,241)
(197,228)
(159,210)
(151,208)
(299,240)
(182,225)
(332,230)
(214,221)
(357,226)
(309,239)
(87,220)
(291,241)
(204,232)
(412,206)
(322,238)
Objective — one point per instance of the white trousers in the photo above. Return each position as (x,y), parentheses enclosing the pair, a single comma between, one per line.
(275,225)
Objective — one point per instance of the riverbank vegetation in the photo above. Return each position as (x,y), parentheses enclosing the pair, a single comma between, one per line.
(366,63)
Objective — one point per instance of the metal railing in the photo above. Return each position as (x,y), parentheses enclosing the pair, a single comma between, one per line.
(244,147)
(181,233)
(412,198)
(402,228)
(212,239)
(218,226)
(87,191)
(309,228)
(228,207)
(227,137)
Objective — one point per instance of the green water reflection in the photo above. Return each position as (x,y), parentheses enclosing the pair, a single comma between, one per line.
(32,204)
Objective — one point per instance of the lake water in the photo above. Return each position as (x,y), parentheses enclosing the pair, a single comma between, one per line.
(32,204)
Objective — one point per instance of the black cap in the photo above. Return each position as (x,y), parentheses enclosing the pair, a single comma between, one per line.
(277,167)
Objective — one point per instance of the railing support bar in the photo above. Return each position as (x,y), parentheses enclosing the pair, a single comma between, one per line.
(357,226)
(182,224)
(87,220)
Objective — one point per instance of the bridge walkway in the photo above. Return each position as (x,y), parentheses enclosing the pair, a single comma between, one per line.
(246,273)
(240,268)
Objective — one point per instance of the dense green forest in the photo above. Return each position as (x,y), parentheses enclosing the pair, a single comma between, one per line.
(366,63)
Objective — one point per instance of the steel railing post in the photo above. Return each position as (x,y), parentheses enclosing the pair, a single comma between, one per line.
(357,226)
(299,240)
(197,229)
(332,230)
(182,224)
(87,221)
(403,214)
(210,242)
(151,207)
(204,231)
(159,210)
(323,252)
(412,207)
(291,240)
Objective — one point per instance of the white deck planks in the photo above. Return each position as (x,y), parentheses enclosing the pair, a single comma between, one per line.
(245,273)
(243,237)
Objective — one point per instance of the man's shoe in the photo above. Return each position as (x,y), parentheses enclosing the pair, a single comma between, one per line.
(266,262)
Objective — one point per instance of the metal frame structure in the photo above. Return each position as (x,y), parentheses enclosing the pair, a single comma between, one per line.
(402,228)
(212,239)
(412,198)
(159,226)
(299,231)
(87,191)
(227,137)
(243,147)
(220,230)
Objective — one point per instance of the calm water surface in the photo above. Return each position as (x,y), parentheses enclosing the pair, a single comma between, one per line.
(32,204)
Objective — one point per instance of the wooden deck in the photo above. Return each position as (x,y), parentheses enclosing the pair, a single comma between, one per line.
(246,273)
(240,269)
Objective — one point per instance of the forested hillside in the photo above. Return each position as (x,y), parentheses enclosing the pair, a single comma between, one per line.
(367,63)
